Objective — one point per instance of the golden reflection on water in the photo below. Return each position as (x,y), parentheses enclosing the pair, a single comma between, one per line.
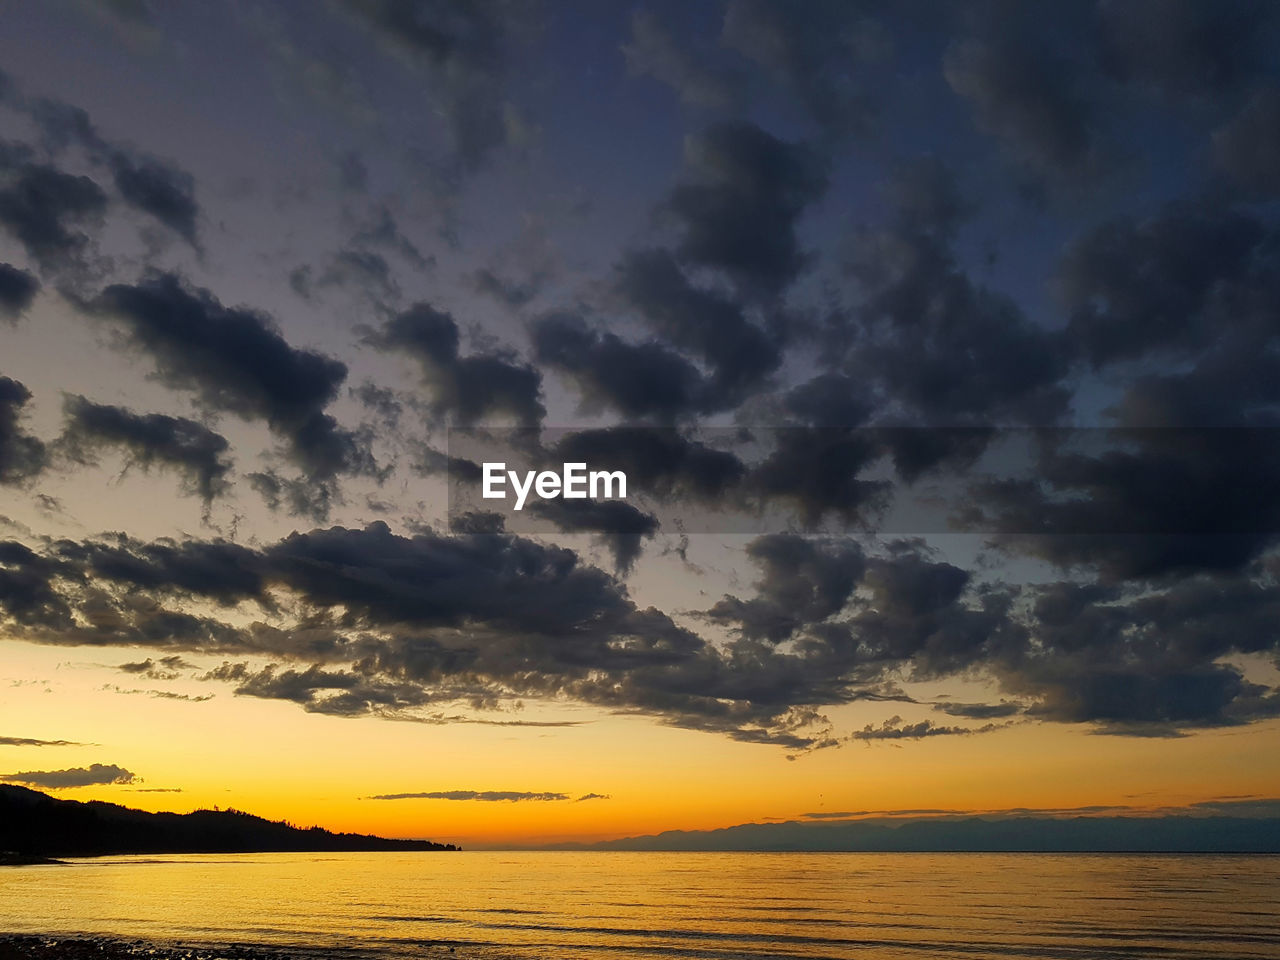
(565,905)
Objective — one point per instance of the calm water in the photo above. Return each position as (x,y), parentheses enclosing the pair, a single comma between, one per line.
(707,905)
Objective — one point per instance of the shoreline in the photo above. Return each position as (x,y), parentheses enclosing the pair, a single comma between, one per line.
(83,946)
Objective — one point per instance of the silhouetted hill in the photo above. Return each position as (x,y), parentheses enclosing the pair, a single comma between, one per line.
(34,824)
(1094,834)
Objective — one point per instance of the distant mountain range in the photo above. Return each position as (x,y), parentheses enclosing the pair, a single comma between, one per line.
(34,825)
(1038,834)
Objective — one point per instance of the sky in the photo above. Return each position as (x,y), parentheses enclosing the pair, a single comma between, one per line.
(939,344)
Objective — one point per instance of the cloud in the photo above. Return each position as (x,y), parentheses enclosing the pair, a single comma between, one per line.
(159,189)
(740,354)
(22,455)
(488,796)
(1166,286)
(1023,90)
(27,742)
(162,694)
(895,729)
(1185,48)
(981,711)
(365,622)
(639,380)
(235,361)
(1093,503)
(655,52)
(462,48)
(820,52)
(1247,147)
(802,582)
(18,290)
(593,796)
(618,525)
(198,454)
(29,591)
(333,692)
(47,210)
(663,462)
(937,346)
(465,389)
(512,293)
(156,187)
(166,668)
(385,232)
(738,205)
(92,775)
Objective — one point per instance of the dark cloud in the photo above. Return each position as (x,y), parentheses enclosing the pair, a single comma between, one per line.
(639,380)
(165,668)
(28,742)
(46,210)
(513,293)
(941,348)
(18,290)
(895,729)
(22,455)
(382,402)
(1171,284)
(1143,503)
(1154,701)
(489,796)
(816,473)
(462,47)
(738,206)
(333,692)
(478,522)
(593,796)
(464,389)
(980,711)
(212,570)
(820,52)
(159,189)
(662,462)
(369,623)
(713,327)
(385,232)
(1186,47)
(1144,662)
(235,360)
(92,775)
(156,187)
(655,52)
(802,582)
(1023,90)
(29,592)
(162,694)
(360,271)
(620,526)
(830,400)
(197,453)
(1247,147)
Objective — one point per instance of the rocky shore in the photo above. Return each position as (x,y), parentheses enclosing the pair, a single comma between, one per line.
(24,947)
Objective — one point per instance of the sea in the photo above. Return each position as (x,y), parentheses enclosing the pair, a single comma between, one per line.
(567,905)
